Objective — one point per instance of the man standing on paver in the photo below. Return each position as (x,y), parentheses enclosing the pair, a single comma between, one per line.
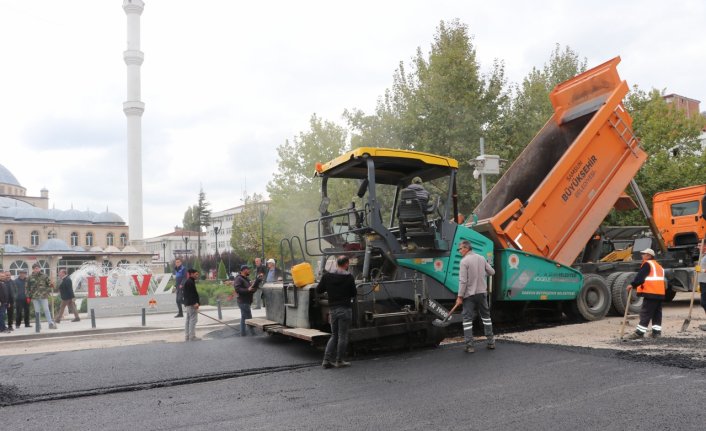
(39,288)
(245,289)
(473,293)
(12,292)
(191,303)
(66,290)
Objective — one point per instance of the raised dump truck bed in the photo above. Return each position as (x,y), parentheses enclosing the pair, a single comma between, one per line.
(558,191)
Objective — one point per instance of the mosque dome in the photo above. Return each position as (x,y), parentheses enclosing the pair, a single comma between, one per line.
(33,214)
(108,217)
(6,177)
(54,244)
(72,215)
(12,248)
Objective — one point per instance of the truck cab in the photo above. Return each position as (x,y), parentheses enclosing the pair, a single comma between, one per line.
(679,216)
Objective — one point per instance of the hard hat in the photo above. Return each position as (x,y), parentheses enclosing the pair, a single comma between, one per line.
(648,251)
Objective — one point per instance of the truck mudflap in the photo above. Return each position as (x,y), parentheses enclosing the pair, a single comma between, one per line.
(526,277)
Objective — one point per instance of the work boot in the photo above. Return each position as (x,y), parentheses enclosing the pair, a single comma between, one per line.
(195,339)
(52,326)
(179,315)
(326,364)
(491,345)
(341,364)
(656,334)
(469,349)
(634,336)
(76,320)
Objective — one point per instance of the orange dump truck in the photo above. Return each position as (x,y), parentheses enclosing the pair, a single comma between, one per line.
(558,191)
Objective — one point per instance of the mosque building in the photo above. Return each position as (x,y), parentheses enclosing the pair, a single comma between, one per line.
(56,239)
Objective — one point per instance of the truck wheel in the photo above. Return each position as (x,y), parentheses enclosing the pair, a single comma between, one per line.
(609,281)
(620,294)
(593,301)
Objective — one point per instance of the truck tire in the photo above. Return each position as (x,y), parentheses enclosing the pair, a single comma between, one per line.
(609,281)
(620,294)
(593,301)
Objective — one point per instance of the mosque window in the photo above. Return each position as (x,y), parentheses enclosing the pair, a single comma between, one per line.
(123,240)
(89,239)
(109,239)
(74,239)
(44,266)
(34,238)
(51,234)
(17,266)
(123,262)
(9,237)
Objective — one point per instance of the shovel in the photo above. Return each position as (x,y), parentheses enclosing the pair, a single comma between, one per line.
(625,316)
(697,269)
(444,323)
(219,321)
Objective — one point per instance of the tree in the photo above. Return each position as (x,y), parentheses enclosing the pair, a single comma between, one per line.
(671,139)
(246,238)
(293,190)
(443,105)
(190,221)
(202,217)
(526,112)
(222,270)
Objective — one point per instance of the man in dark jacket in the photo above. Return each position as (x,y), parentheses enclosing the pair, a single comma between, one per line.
(245,289)
(191,303)
(21,300)
(5,301)
(340,287)
(260,270)
(66,290)
(12,290)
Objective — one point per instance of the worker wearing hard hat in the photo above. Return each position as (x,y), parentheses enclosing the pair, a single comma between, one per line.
(651,286)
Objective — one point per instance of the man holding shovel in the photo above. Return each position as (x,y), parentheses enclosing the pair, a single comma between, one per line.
(651,286)
(191,303)
(702,281)
(473,294)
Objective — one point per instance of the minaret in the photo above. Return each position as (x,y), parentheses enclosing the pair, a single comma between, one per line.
(133,109)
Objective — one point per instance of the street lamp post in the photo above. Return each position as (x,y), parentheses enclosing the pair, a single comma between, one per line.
(186,244)
(215,230)
(262,231)
(164,256)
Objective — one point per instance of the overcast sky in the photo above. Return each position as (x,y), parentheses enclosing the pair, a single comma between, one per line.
(226,82)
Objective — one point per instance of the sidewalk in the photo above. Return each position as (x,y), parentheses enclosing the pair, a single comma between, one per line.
(108,325)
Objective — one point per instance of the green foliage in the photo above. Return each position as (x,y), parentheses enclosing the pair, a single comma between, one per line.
(211,291)
(197,265)
(248,225)
(190,220)
(672,141)
(222,274)
(293,190)
(524,115)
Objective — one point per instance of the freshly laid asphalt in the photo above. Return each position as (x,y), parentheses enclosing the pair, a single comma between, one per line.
(270,383)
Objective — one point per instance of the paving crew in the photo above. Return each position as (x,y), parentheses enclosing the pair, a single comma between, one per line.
(473,294)
(651,286)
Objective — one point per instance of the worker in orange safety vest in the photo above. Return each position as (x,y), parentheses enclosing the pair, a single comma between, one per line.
(651,286)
